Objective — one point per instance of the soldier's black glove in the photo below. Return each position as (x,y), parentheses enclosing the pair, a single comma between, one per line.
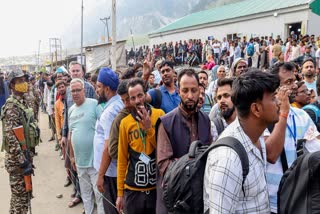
(27,155)
(24,164)
(27,168)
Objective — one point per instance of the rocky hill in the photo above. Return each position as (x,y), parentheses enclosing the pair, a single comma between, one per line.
(141,16)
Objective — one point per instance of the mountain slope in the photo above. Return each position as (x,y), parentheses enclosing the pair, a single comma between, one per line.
(142,16)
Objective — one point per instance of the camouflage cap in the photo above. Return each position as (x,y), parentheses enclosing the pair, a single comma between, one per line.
(15,74)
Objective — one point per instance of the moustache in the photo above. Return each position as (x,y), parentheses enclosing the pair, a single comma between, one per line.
(223,106)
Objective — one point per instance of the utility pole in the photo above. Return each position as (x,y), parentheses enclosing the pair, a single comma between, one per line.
(104,30)
(132,39)
(67,65)
(39,54)
(56,52)
(81,31)
(105,22)
(36,60)
(53,44)
(60,51)
(51,56)
(114,37)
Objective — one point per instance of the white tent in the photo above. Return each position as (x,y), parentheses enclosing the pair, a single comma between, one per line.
(100,55)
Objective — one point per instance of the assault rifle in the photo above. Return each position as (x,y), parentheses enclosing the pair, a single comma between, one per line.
(19,133)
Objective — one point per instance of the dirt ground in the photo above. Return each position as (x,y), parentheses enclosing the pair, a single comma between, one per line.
(48,181)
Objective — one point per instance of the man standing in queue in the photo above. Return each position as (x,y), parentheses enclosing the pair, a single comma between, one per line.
(18,158)
(136,181)
(179,128)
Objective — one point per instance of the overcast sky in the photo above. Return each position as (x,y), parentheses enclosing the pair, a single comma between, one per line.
(24,22)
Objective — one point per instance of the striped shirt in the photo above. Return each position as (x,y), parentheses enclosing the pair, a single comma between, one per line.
(207,105)
(303,123)
(223,177)
(53,97)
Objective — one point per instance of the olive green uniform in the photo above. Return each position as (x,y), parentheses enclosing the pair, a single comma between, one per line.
(32,98)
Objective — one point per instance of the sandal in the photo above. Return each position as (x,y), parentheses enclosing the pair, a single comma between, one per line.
(73,194)
(74,202)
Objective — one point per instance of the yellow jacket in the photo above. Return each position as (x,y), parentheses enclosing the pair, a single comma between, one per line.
(58,116)
(132,173)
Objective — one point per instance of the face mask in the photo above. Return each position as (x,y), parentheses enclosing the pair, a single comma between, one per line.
(21,87)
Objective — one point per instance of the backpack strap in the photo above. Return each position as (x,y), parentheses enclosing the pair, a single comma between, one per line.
(283,156)
(284,161)
(157,128)
(313,108)
(158,101)
(237,146)
(210,100)
(219,124)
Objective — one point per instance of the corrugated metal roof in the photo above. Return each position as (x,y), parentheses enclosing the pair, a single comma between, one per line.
(230,11)
(315,7)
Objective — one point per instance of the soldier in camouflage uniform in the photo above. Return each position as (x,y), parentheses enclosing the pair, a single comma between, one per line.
(36,94)
(29,97)
(32,98)
(18,161)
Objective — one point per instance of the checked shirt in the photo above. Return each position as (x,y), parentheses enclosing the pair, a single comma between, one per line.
(223,177)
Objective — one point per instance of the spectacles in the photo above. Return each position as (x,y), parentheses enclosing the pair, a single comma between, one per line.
(74,91)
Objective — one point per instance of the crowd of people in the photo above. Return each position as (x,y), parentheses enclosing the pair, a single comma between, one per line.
(261,52)
(120,133)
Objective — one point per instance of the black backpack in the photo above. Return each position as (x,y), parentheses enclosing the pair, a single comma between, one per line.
(299,189)
(183,180)
(158,99)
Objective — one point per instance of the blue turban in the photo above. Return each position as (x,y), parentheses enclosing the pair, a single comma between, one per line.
(108,78)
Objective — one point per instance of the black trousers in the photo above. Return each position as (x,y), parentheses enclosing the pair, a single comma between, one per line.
(110,193)
(249,62)
(137,202)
